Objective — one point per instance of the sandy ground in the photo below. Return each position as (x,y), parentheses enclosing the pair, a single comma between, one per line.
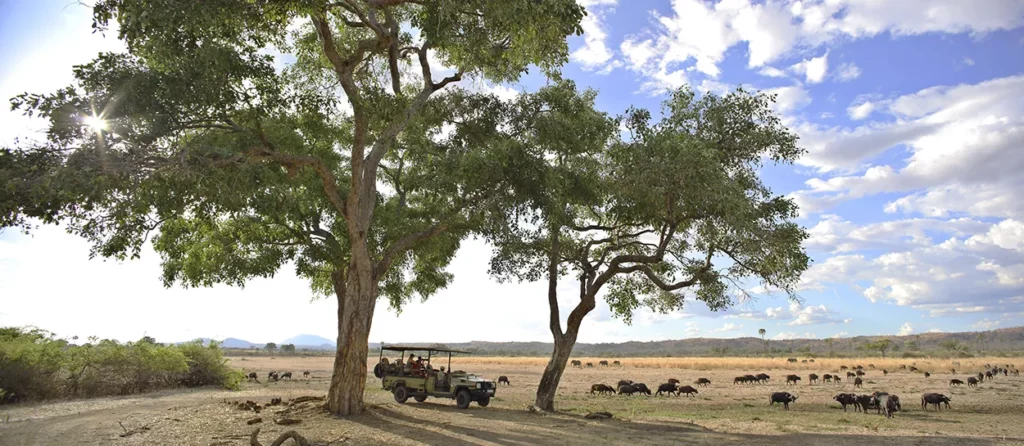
(721,414)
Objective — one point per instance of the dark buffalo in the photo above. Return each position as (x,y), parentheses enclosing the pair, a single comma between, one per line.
(988,375)
(793,360)
(865,402)
(811,360)
(843,367)
(603,362)
(626,390)
(792,379)
(641,388)
(836,379)
(972,382)
(912,369)
(885,372)
(601,389)
(616,363)
(826,378)
(812,378)
(504,379)
(688,390)
(750,378)
(803,361)
(739,379)
(926,374)
(845,399)
(763,377)
(857,382)
(625,382)
(955,382)
(273,375)
(851,375)
(903,366)
(703,382)
(981,376)
(305,374)
(781,397)
(286,375)
(859,367)
(859,372)
(669,388)
(252,377)
(576,363)
(952,371)
(673,381)
(590,365)
(935,399)
(871,366)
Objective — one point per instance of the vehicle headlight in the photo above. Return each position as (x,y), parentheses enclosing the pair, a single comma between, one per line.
(479,385)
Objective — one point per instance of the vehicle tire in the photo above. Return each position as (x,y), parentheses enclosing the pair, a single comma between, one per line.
(462,399)
(484,402)
(377,371)
(401,394)
(420,398)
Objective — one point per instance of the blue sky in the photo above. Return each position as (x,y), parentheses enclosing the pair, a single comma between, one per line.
(912,114)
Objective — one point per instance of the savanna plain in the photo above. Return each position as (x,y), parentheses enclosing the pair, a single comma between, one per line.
(722,413)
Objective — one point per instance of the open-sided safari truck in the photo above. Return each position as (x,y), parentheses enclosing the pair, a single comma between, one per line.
(419,379)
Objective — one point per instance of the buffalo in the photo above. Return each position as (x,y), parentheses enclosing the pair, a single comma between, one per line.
(286,375)
(843,367)
(936,399)
(988,375)
(577,363)
(626,390)
(781,397)
(981,376)
(972,382)
(826,378)
(601,389)
(703,382)
(504,379)
(926,374)
(616,363)
(792,360)
(751,378)
(590,365)
(845,399)
(885,372)
(865,402)
(836,379)
(887,404)
(688,390)
(603,363)
(763,377)
(625,382)
(669,388)
(858,382)
(859,372)
(912,369)
(305,374)
(851,375)
(673,381)
(812,378)
(955,382)
(792,379)
(273,375)
(252,377)
(739,379)
(641,388)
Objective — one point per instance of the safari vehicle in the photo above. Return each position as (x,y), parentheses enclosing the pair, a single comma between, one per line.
(422,380)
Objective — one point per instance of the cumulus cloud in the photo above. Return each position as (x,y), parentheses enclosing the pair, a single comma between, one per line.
(847,72)
(860,111)
(985,324)
(788,335)
(729,326)
(814,69)
(595,54)
(699,33)
(788,99)
(905,329)
(814,315)
(796,314)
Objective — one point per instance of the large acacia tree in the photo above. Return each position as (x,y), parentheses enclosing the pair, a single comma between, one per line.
(675,211)
(337,164)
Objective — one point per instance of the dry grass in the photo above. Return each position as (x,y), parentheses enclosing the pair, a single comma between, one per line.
(721,414)
(703,363)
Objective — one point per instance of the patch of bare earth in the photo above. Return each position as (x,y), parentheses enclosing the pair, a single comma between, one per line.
(723,413)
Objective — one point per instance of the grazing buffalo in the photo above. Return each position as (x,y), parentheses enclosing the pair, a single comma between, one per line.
(286,375)
(836,379)
(988,375)
(305,374)
(669,388)
(273,375)
(252,377)
(846,399)
(936,399)
(812,378)
(851,375)
(859,367)
(871,366)
(626,390)
(504,379)
(625,382)
(955,382)
(750,378)
(781,397)
(912,369)
(981,376)
(885,372)
(641,388)
(972,382)
(865,402)
(887,404)
(926,374)
(792,379)
(858,382)
(577,363)
(617,363)
(792,360)
(811,360)
(673,381)
(590,365)
(762,377)
(803,361)
(843,367)
(739,379)
(826,378)
(603,363)
(703,382)
(688,390)
(859,372)
(601,389)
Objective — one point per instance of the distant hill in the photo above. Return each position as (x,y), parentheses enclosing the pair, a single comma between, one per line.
(1008,341)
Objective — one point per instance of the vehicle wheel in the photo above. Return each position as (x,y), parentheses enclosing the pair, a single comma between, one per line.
(401,394)
(462,399)
(484,402)
(420,398)
(377,371)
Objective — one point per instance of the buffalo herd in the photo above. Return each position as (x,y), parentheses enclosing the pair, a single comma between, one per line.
(882,402)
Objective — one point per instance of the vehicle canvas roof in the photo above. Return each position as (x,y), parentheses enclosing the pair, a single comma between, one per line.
(419,348)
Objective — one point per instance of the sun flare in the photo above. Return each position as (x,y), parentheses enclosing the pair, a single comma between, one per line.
(95,123)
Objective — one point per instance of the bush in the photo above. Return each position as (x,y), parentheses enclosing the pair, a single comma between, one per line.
(35,366)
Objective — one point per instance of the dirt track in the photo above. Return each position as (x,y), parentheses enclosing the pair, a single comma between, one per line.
(722,414)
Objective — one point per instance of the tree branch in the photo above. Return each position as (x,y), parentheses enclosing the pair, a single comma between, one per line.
(554,323)
(405,243)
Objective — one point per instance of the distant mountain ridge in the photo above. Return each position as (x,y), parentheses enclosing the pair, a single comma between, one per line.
(1006,340)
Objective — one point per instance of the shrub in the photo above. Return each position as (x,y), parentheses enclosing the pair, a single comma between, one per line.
(207,366)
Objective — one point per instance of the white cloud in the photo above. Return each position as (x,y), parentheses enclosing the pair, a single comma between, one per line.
(985,324)
(814,315)
(847,72)
(813,69)
(729,326)
(968,61)
(935,330)
(788,335)
(595,54)
(905,329)
(772,72)
(840,335)
(860,111)
(789,99)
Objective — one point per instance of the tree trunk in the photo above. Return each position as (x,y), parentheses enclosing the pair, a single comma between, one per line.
(553,373)
(356,298)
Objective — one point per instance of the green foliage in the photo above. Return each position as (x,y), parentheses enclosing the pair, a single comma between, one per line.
(34,365)
(288,348)
(953,346)
(270,346)
(880,345)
